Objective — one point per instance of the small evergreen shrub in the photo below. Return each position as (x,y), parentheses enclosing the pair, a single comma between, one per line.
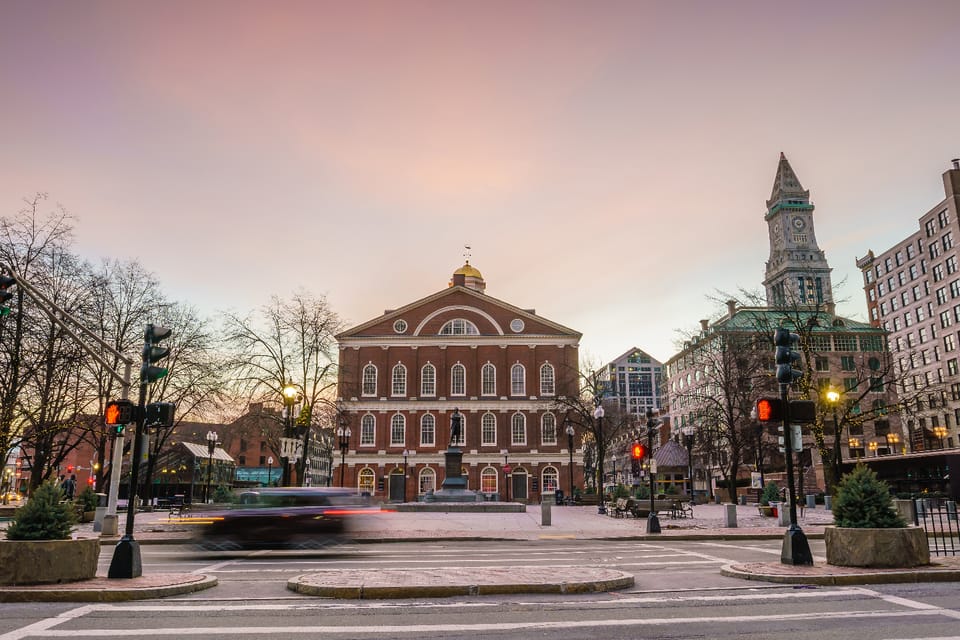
(770,492)
(863,502)
(44,517)
(87,499)
(222,494)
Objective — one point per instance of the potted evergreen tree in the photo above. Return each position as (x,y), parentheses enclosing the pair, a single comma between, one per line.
(87,504)
(771,492)
(868,531)
(39,548)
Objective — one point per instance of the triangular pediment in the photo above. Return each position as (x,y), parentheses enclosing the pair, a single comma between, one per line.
(492,317)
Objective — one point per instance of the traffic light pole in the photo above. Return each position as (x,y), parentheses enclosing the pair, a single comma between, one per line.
(51,309)
(653,522)
(795,549)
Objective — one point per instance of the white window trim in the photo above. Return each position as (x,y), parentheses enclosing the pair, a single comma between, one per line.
(363,386)
(488,444)
(523,380)
(403,442)
(513,440)
(453,391)
(373,419)
(422,442)
(431,394)
(393,381)
(485,367)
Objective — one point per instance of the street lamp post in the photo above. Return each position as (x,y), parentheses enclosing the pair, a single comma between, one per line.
(506,473)
(854,444)
(833,397)
(653,522)
(570,433)
(289,394)
(211,446)
(598,415)
(873,445)
(893,439)
(269,469)
(688,440)
(343,433)
(940,433)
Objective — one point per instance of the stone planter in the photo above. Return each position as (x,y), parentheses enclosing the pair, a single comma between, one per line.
(898,547)
(88,516)
(48,561)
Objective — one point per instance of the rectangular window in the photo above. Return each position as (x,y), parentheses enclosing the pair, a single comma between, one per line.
(945,320)
(934,250)
(943,218)
(949,342)
(488,429)
(931,228)
(947,241)
(847,363)
(822,364)
(938,272)
(951,263)
(914,273)
(910,252)
(845,342)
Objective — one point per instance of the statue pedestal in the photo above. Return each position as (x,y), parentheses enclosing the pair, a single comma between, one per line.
(454,485)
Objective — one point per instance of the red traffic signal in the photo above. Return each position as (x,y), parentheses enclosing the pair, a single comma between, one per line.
(69,468)
(638,451)
(769,409)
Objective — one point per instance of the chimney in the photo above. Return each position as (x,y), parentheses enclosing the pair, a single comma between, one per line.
(459,280)
(731,307)
(704,324)
(956,163)
(831,308)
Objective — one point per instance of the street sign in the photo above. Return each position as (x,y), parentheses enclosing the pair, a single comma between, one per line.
(291,448)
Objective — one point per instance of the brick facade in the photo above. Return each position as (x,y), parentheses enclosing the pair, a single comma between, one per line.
(509,417)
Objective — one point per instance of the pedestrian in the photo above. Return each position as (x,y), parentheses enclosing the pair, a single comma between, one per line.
(70,486)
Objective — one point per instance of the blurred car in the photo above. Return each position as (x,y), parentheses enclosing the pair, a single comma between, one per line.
(282,518)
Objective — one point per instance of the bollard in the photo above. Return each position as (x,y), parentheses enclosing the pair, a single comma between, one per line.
(743,501)
(906,510)
(951,510)
(828,503)
(109,527)
(730,511)
(783,515)
(545,512)
(811,501)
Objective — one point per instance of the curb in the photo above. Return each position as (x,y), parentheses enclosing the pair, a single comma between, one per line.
(71,593)
(888,576)
(401,583)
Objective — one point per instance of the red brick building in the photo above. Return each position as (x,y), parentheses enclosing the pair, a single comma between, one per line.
(404,373)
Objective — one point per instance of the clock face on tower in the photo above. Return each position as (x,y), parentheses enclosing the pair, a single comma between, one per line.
(799,223)
(776,228)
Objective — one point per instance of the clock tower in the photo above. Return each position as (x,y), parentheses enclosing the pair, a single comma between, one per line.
(797,270)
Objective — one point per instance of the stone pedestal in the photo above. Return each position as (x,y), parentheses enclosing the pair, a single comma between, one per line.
(454,486)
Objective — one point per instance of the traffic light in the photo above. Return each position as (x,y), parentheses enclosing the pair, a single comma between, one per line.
(118,414)
(69,468)
(152,353)
(787,356)
(769,410)
(5,283)
(159,414)
(637,452)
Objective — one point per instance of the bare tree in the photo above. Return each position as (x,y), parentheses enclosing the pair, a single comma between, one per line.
(724,367)
(286,342)
(580,410)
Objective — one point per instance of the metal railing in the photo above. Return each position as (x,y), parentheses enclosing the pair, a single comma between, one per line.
(939,520)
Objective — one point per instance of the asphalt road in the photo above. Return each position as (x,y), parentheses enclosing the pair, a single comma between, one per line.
(679,593)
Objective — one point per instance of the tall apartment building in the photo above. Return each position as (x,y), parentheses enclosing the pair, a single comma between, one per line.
(404,373)
(913,291)
(634,381)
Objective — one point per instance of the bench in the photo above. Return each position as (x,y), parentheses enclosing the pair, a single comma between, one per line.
(641,507)
(681,509)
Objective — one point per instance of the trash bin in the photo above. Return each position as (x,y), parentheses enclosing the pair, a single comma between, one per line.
(559,497)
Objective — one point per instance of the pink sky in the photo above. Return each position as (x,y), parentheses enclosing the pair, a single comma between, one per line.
(607,162)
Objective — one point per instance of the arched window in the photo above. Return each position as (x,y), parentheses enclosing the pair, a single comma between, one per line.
(398,429)
(428,430)
(550,479)
(369,380)
(518,380)
(428,480)
(458,380)
(488,429)
(428,380)
(399,387)
(488,480)
(488,376)
(548,429)
(547,384)
(368,430)
(459,327)
(518,429)
(366,480)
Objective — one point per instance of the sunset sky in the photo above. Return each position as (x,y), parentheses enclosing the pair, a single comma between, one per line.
(607,162)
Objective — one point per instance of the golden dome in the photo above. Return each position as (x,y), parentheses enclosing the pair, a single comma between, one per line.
(468,271)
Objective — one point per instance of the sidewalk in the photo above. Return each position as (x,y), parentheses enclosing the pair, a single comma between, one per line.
(569,523)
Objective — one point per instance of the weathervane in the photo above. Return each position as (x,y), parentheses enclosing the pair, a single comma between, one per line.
(466,253)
